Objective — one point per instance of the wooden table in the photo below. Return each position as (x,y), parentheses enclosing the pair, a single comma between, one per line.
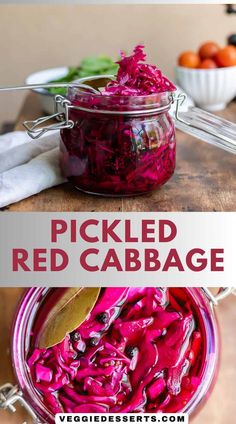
(204,180)
(219,409)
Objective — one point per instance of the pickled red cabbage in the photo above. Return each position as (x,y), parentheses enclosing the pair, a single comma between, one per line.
(121,154)
(135,78)
(139,350)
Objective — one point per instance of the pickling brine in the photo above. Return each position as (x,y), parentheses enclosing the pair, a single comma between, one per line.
(139,350)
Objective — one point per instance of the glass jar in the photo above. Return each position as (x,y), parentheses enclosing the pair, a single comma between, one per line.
(37,299)
(118,145)
(121,145)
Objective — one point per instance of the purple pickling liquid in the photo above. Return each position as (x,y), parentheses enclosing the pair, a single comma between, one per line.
(140,350)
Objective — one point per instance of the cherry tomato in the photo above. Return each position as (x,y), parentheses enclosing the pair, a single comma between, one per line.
(226,57)
(208,64)
(208,50)
(189,59)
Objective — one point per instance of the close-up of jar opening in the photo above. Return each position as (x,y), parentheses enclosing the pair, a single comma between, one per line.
(123,327)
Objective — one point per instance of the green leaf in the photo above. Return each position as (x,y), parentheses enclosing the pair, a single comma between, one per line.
(89,66)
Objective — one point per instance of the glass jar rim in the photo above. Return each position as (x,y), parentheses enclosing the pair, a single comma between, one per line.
(24,318)
(158,102)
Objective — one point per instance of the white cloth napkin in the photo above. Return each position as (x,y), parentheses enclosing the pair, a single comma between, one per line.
(28,166)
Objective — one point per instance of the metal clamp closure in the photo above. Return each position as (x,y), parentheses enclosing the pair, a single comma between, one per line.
(222,293)
(10,395)
(34,128)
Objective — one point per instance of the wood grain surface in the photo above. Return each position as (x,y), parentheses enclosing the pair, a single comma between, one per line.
(204,180)
(220,407)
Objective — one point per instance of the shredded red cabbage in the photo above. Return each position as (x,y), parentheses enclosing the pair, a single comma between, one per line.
(120,154)
(118,157)
(135,78)
(139,350)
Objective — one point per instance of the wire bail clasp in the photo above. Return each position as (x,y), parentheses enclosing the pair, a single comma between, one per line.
(180,99)
(35,129)
(223,292)
(10,395)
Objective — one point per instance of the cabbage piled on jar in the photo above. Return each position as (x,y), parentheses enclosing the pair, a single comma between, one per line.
(123,140)
(139,350)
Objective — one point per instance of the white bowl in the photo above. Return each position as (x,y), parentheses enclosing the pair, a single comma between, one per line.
(46,99)
(211,89)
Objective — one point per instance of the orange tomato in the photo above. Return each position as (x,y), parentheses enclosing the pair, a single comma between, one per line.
(226,56)
(208,64)
(189,59)
(208,50)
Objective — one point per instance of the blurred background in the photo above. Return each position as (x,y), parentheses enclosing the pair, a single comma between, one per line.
(220,408)
(35,37)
